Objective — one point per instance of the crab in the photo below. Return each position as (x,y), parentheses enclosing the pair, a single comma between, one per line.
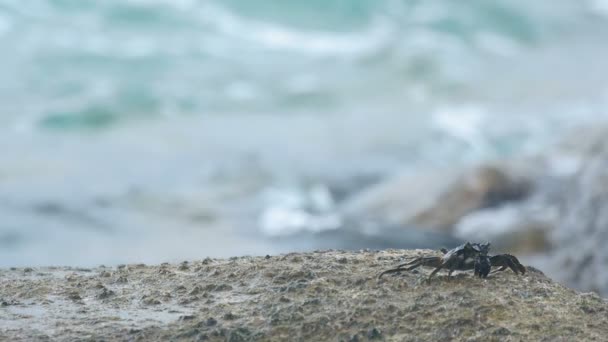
(468,256)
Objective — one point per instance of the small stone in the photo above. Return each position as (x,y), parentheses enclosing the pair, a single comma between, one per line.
(74,296)
(149,300)
(164,271)
(502,331)
(229,316)
(314,301)
(239,335)
(296,259)
(196,290)
(220,287)
(210,322)
(374,334)
(105,293)
(5,303)
(188,334)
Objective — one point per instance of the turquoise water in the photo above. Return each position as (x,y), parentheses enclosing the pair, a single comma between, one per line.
(155,130)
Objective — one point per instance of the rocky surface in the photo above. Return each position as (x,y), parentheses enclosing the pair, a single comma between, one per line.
(317,296)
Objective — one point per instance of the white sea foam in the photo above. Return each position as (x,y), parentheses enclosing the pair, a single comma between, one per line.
(290,211)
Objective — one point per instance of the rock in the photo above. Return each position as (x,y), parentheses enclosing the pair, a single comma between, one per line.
(335,305)
(399,199)
(105,293)
(510,228)
(439,199)
(486,186)
(580,257)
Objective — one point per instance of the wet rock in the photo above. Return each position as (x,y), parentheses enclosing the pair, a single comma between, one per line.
(438,199)
(484,187)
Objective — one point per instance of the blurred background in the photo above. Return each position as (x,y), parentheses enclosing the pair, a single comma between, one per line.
(166,130)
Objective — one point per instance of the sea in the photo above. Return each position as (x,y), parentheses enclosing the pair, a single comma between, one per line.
(168,130)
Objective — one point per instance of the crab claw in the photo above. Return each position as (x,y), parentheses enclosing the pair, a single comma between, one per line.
(482,266)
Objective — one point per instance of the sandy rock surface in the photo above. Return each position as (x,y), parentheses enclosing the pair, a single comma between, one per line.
(320,296)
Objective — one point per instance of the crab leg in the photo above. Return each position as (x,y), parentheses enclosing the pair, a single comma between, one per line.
(507,260)
(422,261)
(500,269)
(434,272)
